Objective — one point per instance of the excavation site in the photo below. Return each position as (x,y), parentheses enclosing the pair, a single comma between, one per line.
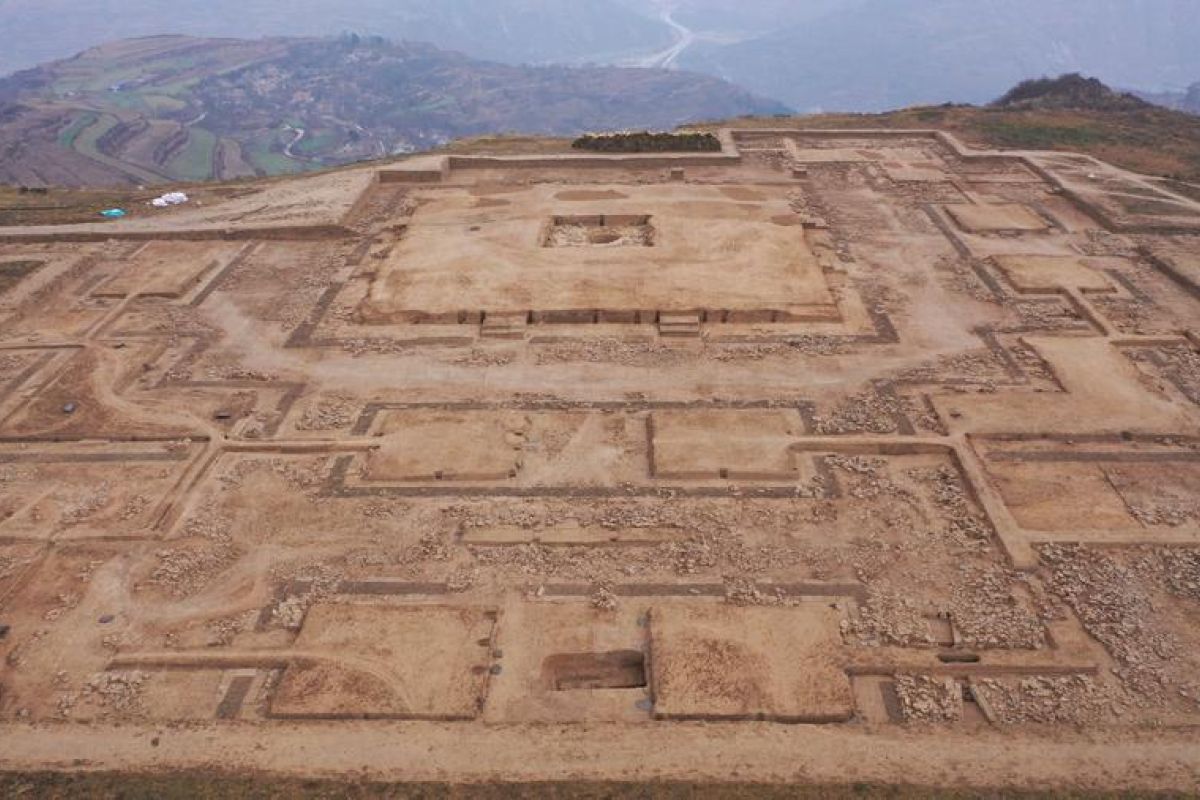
(831,457)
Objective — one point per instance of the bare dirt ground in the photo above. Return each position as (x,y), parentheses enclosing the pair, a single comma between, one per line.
(832,458)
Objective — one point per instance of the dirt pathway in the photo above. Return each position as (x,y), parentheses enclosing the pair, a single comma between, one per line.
(431,751)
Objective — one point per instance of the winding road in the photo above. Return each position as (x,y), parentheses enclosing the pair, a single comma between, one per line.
(667,59)
(299,136)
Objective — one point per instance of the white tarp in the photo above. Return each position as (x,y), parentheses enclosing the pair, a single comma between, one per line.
(169,199)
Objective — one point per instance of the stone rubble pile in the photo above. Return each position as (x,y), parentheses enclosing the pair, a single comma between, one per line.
(928,699)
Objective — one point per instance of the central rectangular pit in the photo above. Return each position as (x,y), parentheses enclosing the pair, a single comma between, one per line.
(600,230)
(620,669)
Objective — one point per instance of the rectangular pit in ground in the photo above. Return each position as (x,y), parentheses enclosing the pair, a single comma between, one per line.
(565,661)
(611,669)
(599,230)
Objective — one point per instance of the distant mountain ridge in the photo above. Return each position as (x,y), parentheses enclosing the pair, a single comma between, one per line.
(873,55)
(176,108)
(1187,101)
(513,31)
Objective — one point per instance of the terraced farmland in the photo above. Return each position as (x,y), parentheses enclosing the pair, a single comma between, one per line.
(171,109)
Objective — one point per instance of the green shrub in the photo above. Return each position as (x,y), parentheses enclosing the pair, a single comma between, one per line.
(646,142)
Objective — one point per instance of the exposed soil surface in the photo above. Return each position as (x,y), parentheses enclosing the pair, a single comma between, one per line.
(848,461)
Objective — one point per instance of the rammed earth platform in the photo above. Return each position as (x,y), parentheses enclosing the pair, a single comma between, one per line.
(729,253)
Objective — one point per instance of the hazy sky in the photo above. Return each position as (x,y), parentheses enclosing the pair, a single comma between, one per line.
(811,54)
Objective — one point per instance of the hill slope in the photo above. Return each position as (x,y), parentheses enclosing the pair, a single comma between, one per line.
(516,31)
(176,108)
(1071,91)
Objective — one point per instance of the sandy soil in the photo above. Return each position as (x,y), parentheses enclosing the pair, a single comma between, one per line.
(837,458)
